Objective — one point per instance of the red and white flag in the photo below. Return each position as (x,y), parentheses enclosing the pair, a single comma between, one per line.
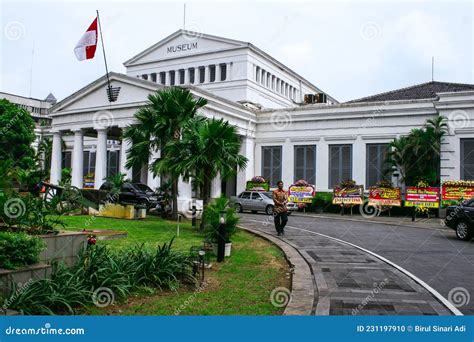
(85,48)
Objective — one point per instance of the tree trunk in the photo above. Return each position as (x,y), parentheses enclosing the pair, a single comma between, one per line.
(205,192)
(205,197)
(174,193)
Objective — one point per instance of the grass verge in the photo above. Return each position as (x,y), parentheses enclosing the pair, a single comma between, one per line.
(240,286)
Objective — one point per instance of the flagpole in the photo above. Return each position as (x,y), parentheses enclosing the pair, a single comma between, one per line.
(103,51)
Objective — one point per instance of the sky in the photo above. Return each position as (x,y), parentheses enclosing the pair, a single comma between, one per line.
(349,49)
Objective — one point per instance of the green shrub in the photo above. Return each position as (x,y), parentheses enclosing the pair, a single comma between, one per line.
(19,249)
(321,200)
(29,214)
(121,271)
(211,218)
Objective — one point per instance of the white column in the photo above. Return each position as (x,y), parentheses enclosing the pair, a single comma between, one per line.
(358,161)
(287,163)
(184,189)
(218,73)
(153,182)
(184,197)
(101,158)
(144,174)
(186,76)
(77,178)
(322,165)
(262,75)
(300,92)
(126,145)
(207,74)
(229,71)
(56,158)
(246,149)
(167,78)
(216,187)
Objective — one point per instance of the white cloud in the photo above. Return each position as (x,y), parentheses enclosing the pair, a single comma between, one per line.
(296,55)
(425,36)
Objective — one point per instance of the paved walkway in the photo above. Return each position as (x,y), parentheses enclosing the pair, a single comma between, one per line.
(349,281)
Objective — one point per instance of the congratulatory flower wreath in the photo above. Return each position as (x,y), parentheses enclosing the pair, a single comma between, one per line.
(459,183)
(258,179)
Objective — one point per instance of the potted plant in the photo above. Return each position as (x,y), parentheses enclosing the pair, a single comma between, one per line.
(211,216)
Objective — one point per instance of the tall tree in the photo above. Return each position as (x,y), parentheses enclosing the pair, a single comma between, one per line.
(160,121)
(16,135)
(208,147)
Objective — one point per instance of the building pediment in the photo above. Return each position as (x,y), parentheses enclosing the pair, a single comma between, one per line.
(183,43)
(94,95)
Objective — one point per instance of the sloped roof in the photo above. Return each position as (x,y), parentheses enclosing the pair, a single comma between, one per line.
(426,90)
(51,98)
(192,34)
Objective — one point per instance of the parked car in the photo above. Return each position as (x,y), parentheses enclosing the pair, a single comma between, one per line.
(256,201)
(134,193)
(461,219)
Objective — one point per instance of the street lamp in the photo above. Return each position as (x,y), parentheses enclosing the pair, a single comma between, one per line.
(221,237)
(201,254)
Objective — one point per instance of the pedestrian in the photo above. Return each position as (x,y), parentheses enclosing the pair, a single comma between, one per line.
(280,211)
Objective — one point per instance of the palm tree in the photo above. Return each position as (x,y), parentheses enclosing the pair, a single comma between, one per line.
(208,147)
(117,180)
(160,121)
(417,155)
(396,157)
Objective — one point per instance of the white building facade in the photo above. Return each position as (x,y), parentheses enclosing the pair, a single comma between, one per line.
(282,137)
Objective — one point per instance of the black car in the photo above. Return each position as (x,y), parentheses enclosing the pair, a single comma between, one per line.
(461,219)
(134,193)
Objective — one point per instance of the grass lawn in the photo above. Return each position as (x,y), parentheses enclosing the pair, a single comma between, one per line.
(239,286)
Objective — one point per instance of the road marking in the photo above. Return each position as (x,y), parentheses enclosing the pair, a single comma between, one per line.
(431,290)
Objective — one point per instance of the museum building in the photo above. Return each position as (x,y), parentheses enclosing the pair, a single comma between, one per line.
(290,128)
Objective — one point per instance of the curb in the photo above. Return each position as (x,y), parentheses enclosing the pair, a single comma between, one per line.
(336,217)
(302,286)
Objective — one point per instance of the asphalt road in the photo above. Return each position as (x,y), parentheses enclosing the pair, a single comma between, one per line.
(435,256)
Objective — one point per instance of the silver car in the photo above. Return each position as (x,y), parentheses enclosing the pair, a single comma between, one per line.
(256,201)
